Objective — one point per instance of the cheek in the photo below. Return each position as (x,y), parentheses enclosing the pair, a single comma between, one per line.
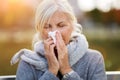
(44,34)
(66,33)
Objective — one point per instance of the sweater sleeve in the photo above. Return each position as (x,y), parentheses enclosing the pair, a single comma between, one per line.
(26,72)
(73,76)
(48,76)
(97,68)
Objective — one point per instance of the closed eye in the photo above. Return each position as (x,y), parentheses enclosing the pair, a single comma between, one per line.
(62,24)
(47,26)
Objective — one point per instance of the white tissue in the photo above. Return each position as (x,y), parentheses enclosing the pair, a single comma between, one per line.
(52,34)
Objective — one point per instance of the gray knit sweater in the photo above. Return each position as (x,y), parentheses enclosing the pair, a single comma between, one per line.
(89,67)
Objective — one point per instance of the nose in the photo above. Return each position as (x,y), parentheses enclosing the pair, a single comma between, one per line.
(54,28)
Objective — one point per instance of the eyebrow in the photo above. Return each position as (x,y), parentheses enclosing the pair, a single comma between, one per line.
(60,22)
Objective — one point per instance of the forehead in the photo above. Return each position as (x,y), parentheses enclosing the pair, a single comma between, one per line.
(58,16)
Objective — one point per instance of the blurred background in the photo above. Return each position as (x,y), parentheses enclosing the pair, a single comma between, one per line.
(100,20)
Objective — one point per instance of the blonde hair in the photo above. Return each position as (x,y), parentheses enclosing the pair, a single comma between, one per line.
(46,9)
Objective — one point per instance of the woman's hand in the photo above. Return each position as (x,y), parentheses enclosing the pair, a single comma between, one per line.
(62,54)
(53,63)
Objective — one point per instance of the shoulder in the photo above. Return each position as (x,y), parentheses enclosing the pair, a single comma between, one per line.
(93,54)
(92,57)
(96,64)
(23,70)
(92,62)
(24,66)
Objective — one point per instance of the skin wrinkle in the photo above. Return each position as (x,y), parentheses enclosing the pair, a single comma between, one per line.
(54,20)
(61,18)
(61,23)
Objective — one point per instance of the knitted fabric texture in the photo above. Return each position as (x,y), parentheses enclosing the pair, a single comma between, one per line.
(77,47)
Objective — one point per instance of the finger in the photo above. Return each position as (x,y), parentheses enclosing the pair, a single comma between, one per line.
(51,54)
(49,39)
(50,42)
(59,41)
(47,45)
(52,46)
(59,37)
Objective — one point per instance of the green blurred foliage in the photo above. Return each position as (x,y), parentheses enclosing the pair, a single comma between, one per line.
(110,51)
(7,50)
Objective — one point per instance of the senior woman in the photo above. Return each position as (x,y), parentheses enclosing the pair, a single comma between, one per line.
(66,59)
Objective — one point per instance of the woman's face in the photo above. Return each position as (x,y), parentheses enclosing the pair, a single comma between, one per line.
(59,21)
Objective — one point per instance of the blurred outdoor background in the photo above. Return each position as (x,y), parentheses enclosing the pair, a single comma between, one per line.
(100,20)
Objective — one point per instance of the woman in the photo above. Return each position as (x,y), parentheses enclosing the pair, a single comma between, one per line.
(66,59)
